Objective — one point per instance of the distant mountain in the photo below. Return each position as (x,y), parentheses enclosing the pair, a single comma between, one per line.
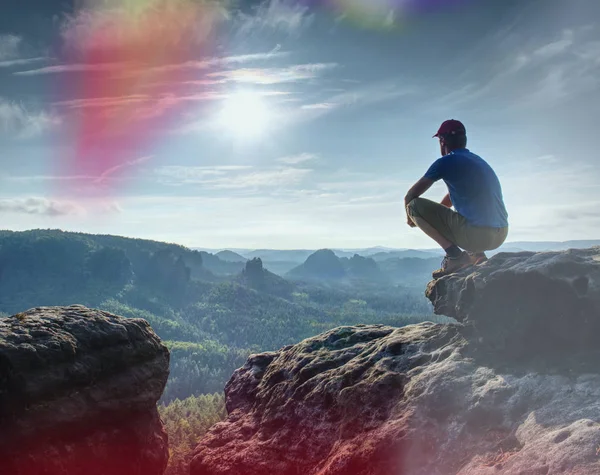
(539,246)
(294,255)
(258,278)
(368,252)
(280,267)
(230,256)
(542,246)
(321,265)
(408,253)
(325,265)
(231,262)
(219,266)
(363,268)
(411,271)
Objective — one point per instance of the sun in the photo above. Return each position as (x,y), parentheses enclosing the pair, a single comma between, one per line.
(245,115)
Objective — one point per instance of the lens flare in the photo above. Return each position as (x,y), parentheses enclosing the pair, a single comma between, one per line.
(381,14)
(134,68)
(129,65)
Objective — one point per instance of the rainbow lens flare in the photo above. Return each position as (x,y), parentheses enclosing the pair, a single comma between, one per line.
(381,14)
(128,65)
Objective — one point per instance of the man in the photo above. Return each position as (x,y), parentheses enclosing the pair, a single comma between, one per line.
(480,222)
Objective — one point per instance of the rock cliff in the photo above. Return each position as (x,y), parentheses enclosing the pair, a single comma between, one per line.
(78,393)
(512,388)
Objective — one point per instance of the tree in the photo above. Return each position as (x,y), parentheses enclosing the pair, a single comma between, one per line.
(110,265)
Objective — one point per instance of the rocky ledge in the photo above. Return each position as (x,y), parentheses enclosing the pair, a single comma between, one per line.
(527,305)
(78,393)
(514,388)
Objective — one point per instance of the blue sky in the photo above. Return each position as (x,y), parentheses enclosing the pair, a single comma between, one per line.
(310,127)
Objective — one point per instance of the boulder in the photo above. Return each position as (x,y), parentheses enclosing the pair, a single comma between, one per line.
(431,399)
(78,394)
(527,305)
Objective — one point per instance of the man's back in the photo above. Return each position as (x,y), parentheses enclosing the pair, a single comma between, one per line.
(474,188)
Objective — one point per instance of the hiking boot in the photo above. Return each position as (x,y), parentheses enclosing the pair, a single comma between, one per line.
(477,258)
(450,265)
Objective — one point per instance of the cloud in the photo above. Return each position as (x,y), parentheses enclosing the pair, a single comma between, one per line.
(18,121)
(296,159)
(532,72)
(268,76)
(10,52)
(105,175)
(103,101)
(37,178)
(40,206)
(279,15)
(581,212)
(320,106)
(160,101)
(73,68)
(122,69)
(231,177)
(112,25)
(555,47)
(548,159)
(368,95)
(9,46)
(137,107)
(18,62)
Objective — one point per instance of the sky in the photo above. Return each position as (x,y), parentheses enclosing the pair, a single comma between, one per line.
(292,124)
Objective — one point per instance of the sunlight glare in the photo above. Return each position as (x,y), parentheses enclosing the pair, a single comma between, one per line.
(245,115)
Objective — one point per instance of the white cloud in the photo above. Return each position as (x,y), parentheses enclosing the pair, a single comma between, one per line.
(231,177)
(589,52)
(106,174)
(40,206)
(185,174)
(296,159)
(18,62)
(9,46)
(281,15)
(532,72)
(69,68)
(555,47)
(18,121)
(267,76)
(124,69)
(319,106)
(360,97)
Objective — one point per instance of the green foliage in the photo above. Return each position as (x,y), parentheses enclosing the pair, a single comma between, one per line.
(186,421)
(110,266)
(210,323)
(200,368)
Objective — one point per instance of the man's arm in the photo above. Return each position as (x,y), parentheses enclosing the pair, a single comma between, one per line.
(416,190)
(447,201)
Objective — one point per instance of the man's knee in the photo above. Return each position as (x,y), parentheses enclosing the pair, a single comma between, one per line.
(412,208)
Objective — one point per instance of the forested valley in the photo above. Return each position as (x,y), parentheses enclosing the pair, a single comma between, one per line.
(211,313)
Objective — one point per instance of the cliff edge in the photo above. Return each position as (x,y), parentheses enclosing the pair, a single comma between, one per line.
(512,388)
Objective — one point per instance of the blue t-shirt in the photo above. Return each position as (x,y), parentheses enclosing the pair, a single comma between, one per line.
(474,188)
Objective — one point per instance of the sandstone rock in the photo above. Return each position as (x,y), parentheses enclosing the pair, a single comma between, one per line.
(527,305)
(429,399)
(78,393)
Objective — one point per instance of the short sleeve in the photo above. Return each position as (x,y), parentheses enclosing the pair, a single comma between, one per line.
(437,171)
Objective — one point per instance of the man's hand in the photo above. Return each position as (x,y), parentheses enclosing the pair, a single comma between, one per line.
(416,191)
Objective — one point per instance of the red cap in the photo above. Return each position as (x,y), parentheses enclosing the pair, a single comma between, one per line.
(451,127)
